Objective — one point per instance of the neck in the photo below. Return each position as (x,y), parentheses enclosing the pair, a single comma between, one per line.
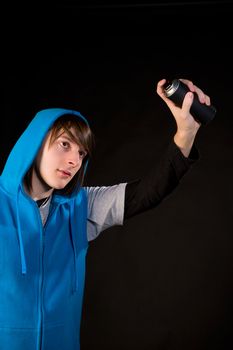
(38,189)
(39,195)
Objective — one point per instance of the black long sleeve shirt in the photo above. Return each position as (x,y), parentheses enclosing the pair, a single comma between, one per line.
(160,181)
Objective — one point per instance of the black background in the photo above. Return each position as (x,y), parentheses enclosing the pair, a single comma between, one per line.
(164,279)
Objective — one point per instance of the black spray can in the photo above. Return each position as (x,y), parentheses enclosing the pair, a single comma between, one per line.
(176,91)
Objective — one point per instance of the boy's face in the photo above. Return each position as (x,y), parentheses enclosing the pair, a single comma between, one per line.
(58,162)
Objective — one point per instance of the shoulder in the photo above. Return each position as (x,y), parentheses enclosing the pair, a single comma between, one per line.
(104,192)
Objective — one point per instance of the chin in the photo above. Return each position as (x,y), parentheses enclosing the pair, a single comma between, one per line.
(60,187)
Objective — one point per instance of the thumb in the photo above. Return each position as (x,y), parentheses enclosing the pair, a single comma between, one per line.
(187,102)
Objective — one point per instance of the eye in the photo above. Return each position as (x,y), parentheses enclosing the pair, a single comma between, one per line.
(82,154)
(65,144)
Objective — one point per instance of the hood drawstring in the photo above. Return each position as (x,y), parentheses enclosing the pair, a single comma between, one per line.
(75,251)
(20,238)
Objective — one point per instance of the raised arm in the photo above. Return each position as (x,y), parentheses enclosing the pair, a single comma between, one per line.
(147,192)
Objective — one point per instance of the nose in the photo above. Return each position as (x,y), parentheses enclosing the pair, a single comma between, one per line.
(74,160)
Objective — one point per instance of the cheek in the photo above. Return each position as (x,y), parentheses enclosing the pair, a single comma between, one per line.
(47,164)
(54,158)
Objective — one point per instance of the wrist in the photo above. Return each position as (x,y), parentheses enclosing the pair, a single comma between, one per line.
(184,140)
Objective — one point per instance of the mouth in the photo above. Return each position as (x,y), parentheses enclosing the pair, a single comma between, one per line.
(64,173)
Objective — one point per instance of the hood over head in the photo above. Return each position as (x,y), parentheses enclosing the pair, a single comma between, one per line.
(26,148)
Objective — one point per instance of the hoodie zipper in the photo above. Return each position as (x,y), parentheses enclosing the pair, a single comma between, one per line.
(43,229)
(41,280)
(41,276)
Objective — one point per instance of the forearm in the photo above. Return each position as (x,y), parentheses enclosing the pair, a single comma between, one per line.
(146,193)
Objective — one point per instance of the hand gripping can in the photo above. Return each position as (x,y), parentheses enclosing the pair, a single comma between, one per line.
(176,91)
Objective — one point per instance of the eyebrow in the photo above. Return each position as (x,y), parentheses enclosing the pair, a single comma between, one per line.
(65,136)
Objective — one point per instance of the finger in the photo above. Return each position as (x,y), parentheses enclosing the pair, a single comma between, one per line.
(207,100)
(200,94)
(160,92)
(189,83)
(203,98)
(160,89)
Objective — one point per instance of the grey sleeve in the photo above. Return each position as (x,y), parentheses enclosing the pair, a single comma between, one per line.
(105,208)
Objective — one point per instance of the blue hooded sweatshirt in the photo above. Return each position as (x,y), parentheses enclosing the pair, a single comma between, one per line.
(42,268)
